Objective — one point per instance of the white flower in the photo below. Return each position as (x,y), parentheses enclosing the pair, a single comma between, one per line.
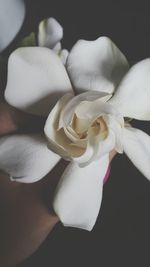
(12,15)
(83,128)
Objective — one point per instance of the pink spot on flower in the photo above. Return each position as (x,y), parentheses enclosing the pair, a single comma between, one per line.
(106,175)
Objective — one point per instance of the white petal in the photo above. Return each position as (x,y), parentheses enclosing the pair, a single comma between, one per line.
(137,147)
(52,122)
(79,194)
(64,55)
(57,48)
(132,98)
(96,65)
(12,15)
(26,158)
(115,125)
(57,140)
(74,138)
(36,80)
(93,109)
(50,33)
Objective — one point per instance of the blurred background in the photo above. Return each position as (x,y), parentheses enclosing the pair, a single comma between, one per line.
(121,236)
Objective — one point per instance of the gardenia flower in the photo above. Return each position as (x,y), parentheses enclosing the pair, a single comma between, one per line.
(83,128)
(87,104)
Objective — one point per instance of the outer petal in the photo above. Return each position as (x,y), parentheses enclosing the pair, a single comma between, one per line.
(137,147)
(26,157)
(79,193)
(132,98)
(36,79)
(96,65)
(12,15)
(50,33)
(56,139)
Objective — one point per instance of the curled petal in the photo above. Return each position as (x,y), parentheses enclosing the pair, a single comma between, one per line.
(26,158)
(96,65)
(136,145)
(79,194)
(115,126)
(57,140)
(12,15)
(132,97)
(70,107)
(50,33)
(96,149)
(36,80)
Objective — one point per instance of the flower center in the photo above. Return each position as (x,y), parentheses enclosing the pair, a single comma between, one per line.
(99,126)
(84,127)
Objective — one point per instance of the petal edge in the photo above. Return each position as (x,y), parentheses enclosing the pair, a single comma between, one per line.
(78,195)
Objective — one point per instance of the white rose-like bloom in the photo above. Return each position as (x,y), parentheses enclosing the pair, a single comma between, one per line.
(86,103)
(85,127)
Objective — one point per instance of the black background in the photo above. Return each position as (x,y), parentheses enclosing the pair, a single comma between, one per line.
(121,236)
